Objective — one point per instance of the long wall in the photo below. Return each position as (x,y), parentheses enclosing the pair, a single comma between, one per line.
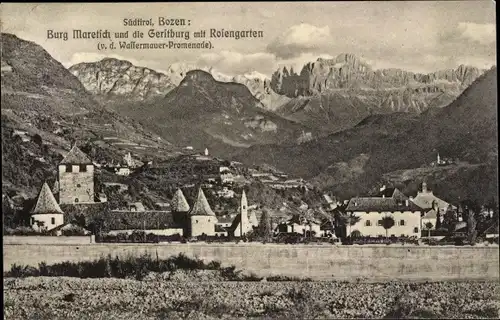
(319,262)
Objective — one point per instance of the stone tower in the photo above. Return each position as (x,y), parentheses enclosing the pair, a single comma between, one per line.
(76,178)
(180,209)
(203,219)
(46,215)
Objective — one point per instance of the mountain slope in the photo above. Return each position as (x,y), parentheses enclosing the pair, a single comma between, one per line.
(204,112)
(353,160)
(43,99)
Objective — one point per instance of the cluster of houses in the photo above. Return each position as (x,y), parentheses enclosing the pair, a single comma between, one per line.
(411,215)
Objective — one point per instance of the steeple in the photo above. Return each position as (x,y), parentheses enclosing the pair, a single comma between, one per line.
(244,213)
(46,202)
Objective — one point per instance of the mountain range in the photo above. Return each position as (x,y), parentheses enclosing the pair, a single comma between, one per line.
(352,136)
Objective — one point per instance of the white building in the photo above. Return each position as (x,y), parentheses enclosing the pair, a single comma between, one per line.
(46,215)
(426,199)
(371,211)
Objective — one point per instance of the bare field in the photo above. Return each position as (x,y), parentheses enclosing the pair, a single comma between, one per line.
(196,298)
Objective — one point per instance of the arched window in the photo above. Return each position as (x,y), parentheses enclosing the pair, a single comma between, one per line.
(368,223)
(76,200)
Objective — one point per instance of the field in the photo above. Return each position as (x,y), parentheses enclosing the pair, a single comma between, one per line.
(186,296)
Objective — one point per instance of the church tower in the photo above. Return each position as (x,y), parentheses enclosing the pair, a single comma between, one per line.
(76,178)
(244,223)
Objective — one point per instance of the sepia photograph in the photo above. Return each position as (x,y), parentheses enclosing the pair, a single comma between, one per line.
(250,160)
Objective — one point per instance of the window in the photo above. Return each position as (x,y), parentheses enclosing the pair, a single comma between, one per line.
(83,168)
(32,220)
(379,223)
(368,223)
(53,220)
(196,221)
(415,230)
(69,168)
(76,200)
(78,185)
(402,223)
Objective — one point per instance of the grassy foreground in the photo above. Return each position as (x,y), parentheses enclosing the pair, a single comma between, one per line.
(72,298)
(185,288)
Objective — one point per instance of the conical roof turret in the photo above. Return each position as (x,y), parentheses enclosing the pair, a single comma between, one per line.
(46,202)
(179,202)
(201,206)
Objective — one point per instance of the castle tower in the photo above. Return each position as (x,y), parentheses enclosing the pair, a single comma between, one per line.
(76,178)
(180,209)
(203,219)
(46,215)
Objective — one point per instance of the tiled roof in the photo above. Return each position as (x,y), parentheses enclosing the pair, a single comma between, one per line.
(392,193)
(139,220)
(425,200)
(430,214)
(201,206)
(179,202)
(76,156)
(46,202)
(377,204)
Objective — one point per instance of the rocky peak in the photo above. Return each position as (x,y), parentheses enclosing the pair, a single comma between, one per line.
(120,78)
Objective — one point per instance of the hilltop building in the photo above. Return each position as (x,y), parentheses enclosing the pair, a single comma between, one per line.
(46,215)
(76,178)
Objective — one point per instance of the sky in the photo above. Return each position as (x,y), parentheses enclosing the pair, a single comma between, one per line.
(416,36)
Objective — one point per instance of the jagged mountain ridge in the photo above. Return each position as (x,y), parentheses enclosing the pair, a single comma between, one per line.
(350,161)
(347,71)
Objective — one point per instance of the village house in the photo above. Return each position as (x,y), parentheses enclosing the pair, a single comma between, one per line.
(302,225)
(371,211)
(47,214)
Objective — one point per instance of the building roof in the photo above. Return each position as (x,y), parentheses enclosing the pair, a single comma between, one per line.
(201,206)
(430,214)
(425,200)
(139,220)
(46,202)
(179,202)
(392,193)
(76,156)
(377,204)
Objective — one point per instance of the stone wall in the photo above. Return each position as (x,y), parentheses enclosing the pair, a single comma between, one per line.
(319,262)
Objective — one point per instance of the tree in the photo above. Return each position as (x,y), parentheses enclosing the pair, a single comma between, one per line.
(428,226)
(264,230)
(471,227)
(387,223)
(348,219)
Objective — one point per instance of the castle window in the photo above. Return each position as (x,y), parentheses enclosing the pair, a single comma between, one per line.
(76,200)
(83,168)
(368,223)
(69,168)
(379,223)
(196,221)
(402,223)
(415,230)
(53,220)
(78,185)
